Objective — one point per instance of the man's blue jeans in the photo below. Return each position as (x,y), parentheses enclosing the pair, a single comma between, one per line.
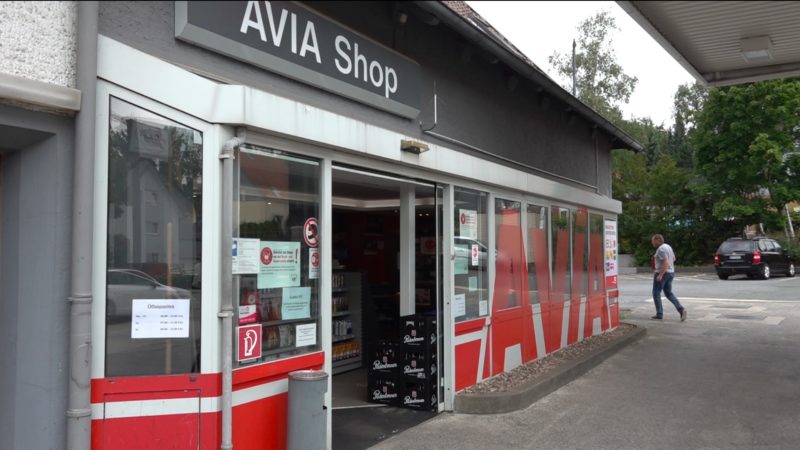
(666,285)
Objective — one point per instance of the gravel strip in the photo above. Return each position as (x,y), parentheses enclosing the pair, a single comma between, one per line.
(508,381)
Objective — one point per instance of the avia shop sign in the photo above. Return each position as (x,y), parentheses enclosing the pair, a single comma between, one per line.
(289,39)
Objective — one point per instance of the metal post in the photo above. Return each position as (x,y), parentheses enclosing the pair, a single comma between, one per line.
(574,75)
(226,307)
(79,413)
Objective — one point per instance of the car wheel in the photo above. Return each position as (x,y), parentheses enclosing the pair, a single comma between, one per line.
(722,277)
(765,272)
(790,270)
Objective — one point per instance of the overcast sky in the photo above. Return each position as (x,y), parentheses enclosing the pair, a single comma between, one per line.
(540,28)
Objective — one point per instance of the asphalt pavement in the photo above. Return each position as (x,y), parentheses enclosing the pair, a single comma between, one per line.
(728,377)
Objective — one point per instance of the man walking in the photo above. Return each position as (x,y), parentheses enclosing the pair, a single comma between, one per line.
(664,261)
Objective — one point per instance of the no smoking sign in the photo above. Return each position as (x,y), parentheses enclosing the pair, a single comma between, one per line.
(311,232)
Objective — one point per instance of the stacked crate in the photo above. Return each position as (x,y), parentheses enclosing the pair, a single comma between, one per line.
(418,366)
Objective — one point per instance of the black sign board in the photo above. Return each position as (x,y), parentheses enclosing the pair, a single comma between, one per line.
(289,39)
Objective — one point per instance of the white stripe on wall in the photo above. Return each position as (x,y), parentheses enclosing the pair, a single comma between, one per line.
(163,407)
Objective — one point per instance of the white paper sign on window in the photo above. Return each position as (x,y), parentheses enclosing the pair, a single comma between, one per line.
(459,305)
(245,256)
(468,223)
(160,318)
(306,334)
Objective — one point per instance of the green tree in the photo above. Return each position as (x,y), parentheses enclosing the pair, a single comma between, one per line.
(745,142)
(601,82)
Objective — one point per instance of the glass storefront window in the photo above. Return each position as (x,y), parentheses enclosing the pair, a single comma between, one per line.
(538,252)
(580,247)
(278,210)
(509,262)
(562,255)
(596,253)
(154,244)
(471,277)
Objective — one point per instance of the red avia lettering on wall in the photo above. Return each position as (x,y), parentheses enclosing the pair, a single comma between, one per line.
(578,264)
(597,304)
(513,341)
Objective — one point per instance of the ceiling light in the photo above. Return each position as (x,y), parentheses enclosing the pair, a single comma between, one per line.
(756,49)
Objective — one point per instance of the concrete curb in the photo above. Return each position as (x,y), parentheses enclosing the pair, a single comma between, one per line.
(525,395)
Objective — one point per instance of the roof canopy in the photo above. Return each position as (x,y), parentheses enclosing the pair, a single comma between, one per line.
(725,43)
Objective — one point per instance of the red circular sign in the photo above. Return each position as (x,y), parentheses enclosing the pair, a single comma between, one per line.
(463,218)
(266,256)
(315,259)
(311,232)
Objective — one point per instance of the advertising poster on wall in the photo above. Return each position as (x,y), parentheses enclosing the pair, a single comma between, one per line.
(279,265)
(610,234)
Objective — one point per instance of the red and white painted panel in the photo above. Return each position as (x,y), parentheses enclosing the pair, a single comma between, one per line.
(184,411)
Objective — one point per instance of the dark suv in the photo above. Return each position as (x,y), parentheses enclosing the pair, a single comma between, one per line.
(757,257)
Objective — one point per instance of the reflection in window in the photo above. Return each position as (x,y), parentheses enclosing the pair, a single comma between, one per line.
(537,252)
(471,252)
(510,259)
(277,205)
(154,236)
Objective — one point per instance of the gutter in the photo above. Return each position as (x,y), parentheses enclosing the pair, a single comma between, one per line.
(488,44)
(39,93)
(79,413)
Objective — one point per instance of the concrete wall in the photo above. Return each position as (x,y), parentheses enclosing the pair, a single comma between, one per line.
(38,41)
(34,274)
(477,102)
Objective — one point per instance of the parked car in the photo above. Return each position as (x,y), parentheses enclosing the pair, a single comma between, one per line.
(125,285)
(757,257)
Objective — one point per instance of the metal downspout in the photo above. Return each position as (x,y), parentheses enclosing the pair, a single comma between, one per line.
(79,413)
(226,307)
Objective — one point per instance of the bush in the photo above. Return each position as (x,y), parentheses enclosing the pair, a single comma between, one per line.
(790,245)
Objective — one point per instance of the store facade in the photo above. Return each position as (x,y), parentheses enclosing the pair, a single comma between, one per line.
(367,189)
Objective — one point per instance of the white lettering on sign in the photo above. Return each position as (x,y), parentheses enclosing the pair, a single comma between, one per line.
(309,44)
(373,72)
(349,60)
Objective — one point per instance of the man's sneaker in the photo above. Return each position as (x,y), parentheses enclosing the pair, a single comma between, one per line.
(683,315)
(656,318)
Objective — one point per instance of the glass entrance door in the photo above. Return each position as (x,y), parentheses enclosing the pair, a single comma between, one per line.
(387,308)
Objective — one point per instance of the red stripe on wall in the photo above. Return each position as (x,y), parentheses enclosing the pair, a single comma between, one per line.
(142,388)
(467,357)
(261,425)
(470,326)
(259,373)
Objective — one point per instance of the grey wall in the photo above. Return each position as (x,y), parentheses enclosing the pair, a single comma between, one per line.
(476,103)
(34,277)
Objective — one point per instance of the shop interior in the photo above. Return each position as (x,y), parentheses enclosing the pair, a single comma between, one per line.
(377,361)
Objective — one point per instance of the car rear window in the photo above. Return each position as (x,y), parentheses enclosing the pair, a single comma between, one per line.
(735,246)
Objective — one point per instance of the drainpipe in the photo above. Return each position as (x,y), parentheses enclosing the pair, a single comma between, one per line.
(79,413)
(226,308)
